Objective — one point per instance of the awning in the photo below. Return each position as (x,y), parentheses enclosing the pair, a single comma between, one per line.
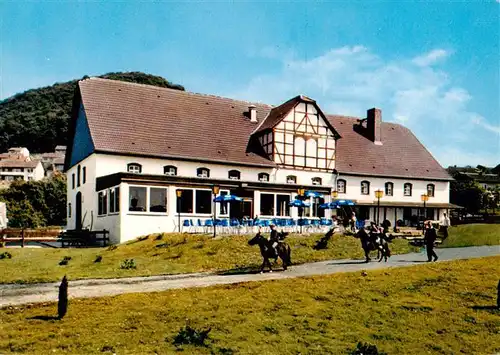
(410,204)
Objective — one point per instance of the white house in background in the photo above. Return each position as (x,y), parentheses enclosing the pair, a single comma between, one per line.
(132,147)
(18,164)
(3,215)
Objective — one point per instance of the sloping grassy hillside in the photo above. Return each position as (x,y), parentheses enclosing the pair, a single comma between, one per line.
(472,234)
(441,308)
(166,254)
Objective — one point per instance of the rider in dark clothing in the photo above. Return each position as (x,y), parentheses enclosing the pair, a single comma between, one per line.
(274,239)
(430,237)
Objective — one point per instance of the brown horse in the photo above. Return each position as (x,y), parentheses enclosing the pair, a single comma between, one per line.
(267,251)
(375,242)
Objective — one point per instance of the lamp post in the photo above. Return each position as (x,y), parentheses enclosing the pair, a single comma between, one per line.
(378,194)
(424,198)
(215,190)
(179,194)
(335,194)
(301,193)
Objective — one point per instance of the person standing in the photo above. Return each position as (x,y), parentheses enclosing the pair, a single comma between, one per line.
(430,237)
(445,223)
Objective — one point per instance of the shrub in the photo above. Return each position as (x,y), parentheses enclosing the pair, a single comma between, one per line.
(128,264)
(65,261)
(112,247)
(191,336)
(366,349)
(6,255)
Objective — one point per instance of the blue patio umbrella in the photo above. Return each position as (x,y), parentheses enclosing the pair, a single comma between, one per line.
(298,203)
(227,198)
(329,205)
(344,202)
(313,194)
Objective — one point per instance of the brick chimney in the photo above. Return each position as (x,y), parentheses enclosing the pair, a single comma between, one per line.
(374,125)
(253,113)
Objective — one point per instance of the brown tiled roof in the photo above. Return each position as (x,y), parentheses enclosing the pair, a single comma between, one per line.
(7,163)
(400,155)
(139,119)
(277,114)
(135,119)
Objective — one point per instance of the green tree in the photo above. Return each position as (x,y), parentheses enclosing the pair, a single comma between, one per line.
(468,194)
(36,203)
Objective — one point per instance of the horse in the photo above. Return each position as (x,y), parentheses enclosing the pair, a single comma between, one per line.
(377,242)
(267,251)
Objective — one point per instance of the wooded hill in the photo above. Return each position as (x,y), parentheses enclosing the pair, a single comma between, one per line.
(38,118)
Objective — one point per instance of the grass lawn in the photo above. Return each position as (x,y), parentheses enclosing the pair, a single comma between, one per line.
(439,308)
(466,235)
(172,254)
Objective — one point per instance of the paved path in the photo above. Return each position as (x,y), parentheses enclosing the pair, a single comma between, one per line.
(13,294)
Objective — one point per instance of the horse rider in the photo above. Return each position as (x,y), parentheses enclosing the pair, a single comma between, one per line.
(274,239)
(430,237)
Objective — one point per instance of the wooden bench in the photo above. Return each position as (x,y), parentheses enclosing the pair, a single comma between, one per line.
(29,235)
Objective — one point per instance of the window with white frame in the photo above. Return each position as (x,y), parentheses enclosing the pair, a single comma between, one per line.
(365,187)
(134,168)
(203,172)
(407,187)
(341,186)
(79,170)
(389,189)
(102,200)
(84,175)
(263,177)
(157,199)
(315,203)
(223,210)
(137,198)
(234,175)
(430,190)
(316,181)
(291,179)
(114,200)
(170,170)
(196,201)
(69,210)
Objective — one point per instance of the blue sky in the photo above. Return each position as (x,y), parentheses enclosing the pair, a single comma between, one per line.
(430,65)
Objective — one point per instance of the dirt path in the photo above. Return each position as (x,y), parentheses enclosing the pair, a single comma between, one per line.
(32,293)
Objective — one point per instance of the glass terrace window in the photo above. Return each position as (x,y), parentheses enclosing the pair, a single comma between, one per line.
(283,208)
(267,204)
(234,175)
(341,184)
(170,170)
(430,190)
(203,172)
(137,199)
(407,189)
(157,199)
(389,189)
(134,168)
(291,179)
(102,208)
(203,201)
(186,202)
(316,181)
(264,177)
(114,200)
(365,187)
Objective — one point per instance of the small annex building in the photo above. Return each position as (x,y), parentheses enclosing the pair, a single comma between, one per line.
(132,147)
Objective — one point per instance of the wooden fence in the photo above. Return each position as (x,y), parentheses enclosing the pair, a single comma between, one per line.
(42,236)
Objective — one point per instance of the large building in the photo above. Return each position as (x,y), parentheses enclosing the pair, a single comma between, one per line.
(134,148)
(17,164)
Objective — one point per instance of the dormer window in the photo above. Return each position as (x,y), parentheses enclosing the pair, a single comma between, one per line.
(316,181)
(263,177)
(203,172)
(134,168)
(389,188)
(365,187)
(430,190)
(170,170)
(407,189)
(341,184)
(234,175)
(291,179)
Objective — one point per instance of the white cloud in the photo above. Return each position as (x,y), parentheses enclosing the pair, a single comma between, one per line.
(431,57)
(349,80)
